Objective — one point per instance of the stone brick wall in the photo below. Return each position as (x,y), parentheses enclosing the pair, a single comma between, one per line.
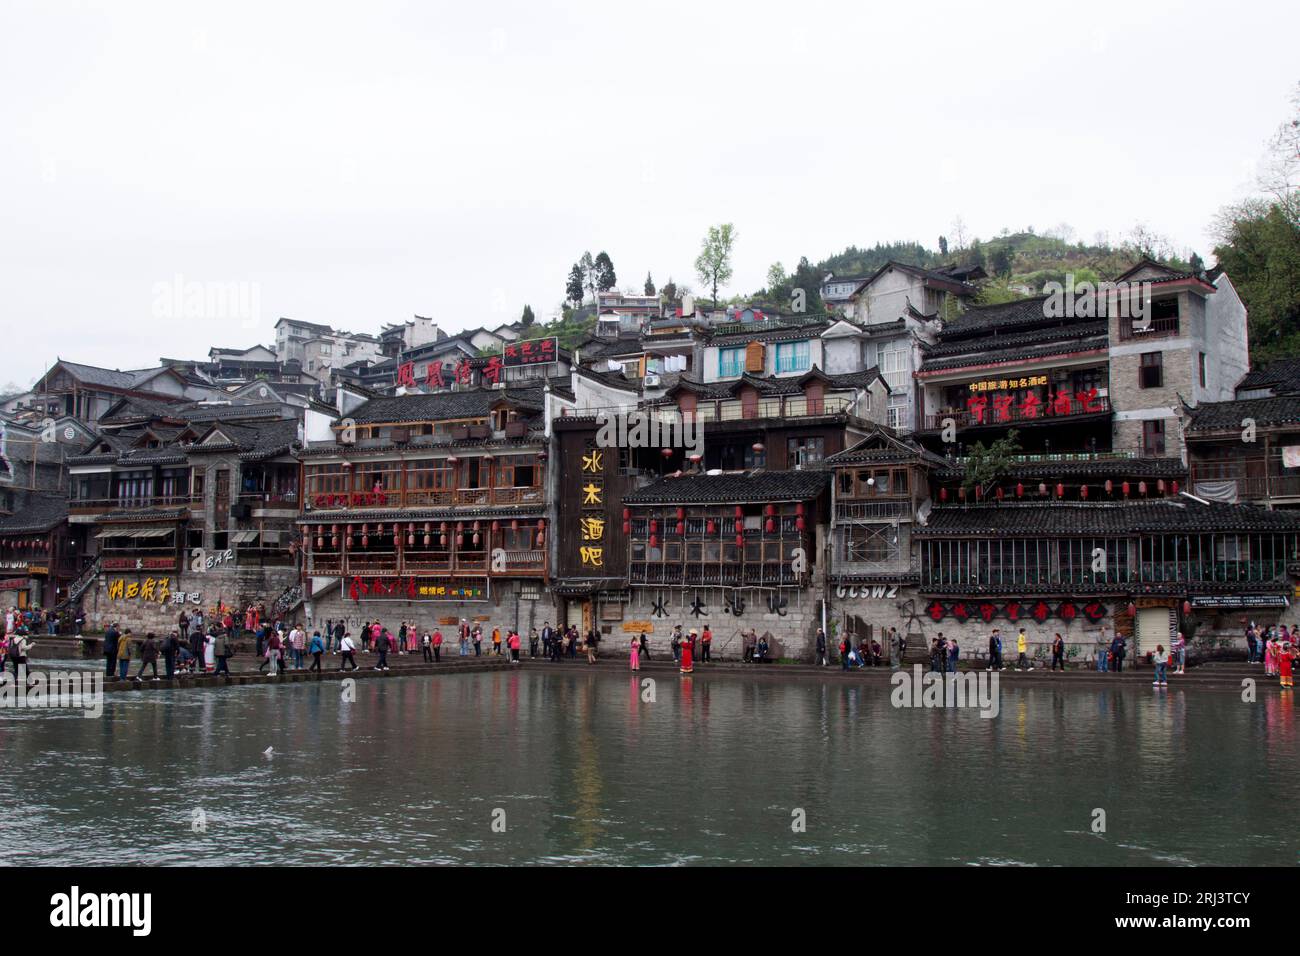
(794,626)
(235,586)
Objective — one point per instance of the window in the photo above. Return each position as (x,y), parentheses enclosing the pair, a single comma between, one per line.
(894,366)
(793,357)
(1153,438)
(800,451)
(731,362)
(1151,372)
(896,416)
(1200,362)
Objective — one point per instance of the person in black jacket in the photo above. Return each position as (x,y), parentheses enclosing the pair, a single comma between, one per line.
(148,657)
(111,637)
(171,647)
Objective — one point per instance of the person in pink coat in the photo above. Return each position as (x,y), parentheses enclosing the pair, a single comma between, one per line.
(635,652)
(513,642)
(1270,657)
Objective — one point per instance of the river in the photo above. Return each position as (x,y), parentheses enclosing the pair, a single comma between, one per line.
(532,766)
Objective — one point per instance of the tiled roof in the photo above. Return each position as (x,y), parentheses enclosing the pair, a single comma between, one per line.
(1015,339)
(1115,468)
(882,446)
(735,488)
(1103,518)
(778,385)
(38,513)
(1282,376)
(781,333)
(1232,416)
(989,354)
(1005,315)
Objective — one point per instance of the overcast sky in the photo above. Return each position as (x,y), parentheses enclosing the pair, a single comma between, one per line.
(353,164)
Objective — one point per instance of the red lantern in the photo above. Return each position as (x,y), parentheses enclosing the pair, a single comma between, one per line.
(1110,486)
(1160,485)
(627,514)
(443,540)
(1187,608)
(627,527)
(443,528)
(740,540)
(320,541)
(654,525)
(541,524)
(798,523)
(681,513)
(740,512)
(770,525)
(427,540)
(681,527)
(961,493)
(1142,487)
(396,531)
(460,527)
(410,540)
(711,527)
(1132,609)
(769,510)
(1060,490)
(1042,487)
(476,538)
(758,448)
(943,494)
(1020,490)
(1083,492)
(1124,489)
(999,494)
(496,525)
(798,508)
(1173,488)
(514,524)
(667,452)
(365,540)
(654,541)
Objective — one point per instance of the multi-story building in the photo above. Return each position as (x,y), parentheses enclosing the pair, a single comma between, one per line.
(429,505)
(38,564)
(189,506)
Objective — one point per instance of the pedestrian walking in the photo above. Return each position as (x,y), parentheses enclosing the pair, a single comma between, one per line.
(348,649)
(1058,652)
(426,645)
(317,648)
(437,646)
(124,644)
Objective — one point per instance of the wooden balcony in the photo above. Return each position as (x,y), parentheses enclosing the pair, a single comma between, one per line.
(427,498)
(85,506)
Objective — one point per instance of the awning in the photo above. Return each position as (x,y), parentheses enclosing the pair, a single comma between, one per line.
(271,537)
(126,532)
(243,537)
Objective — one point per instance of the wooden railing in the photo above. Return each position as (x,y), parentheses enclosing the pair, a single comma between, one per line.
(965,418)
(132,503)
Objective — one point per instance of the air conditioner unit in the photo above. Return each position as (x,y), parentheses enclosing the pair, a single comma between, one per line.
(651,380)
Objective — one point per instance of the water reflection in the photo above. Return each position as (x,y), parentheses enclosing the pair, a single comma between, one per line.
(709,770)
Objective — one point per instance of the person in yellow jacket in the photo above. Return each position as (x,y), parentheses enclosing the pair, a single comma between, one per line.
(1022,647)
(124,653)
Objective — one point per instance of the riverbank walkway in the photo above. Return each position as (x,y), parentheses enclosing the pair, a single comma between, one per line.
(1222,674)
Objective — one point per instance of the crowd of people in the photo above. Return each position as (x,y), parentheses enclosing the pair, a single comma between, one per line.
(204,641)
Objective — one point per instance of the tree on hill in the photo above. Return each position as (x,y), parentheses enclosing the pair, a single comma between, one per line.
(649,285)
(605,278)
(527,319)
(669,292)
(573,290)
(713,264)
